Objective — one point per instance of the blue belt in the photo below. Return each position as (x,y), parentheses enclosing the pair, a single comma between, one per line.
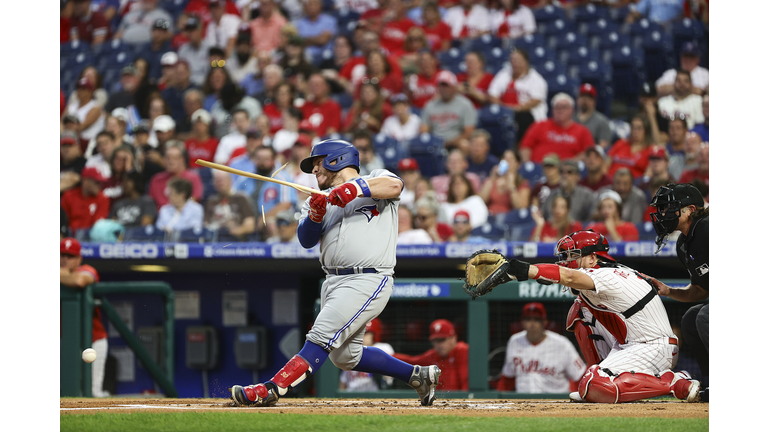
(348,271)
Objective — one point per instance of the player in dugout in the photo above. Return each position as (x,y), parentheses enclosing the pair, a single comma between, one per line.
(448,353)
(681,207)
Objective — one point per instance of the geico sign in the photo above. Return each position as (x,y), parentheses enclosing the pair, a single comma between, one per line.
(130,250)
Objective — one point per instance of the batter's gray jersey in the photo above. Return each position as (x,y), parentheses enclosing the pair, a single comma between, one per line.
(362,234)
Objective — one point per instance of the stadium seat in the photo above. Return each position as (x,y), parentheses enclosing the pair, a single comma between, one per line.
(590,13)
(618,14)
(529,42)
(596,72)
(611,40)
(556,28)
(450,59)
(568,41)
(541,55)
(499,122)
(551,69)
(562,83)
(490,231)
(686,30)
(195,235)
(642,27)
(598,28)
(531,171)
(659,54)
(389,150)
(495,60)
(344,100)
(579,55)
(206,177)
(548,13)
(646,231)
(83,234)
(519,223)
(484,43)
(346,20)
(627,64)
(143,234)
(429,153)
(74,47)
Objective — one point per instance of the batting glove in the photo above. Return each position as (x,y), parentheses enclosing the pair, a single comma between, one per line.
(342,195)
(317,209)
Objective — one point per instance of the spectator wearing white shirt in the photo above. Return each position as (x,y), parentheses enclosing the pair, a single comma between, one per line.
(522,89)
(409,171)
(468,20)
(403,125)
(512,20)
(235,139)
(222,29)
(462,196)
(406,233)
(682,102)
(182,212)
(689,61)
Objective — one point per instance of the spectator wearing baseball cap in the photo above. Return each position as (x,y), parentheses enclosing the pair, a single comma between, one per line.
(608,220)
(586,114)
(76,275)
(196,50)
(560,134)
(451,116)
(582,198)
(657,172)
(86,109)
(174,92)
(201,145)
(163,130)
(462,229)
(402,125)
(448,353)
(596,167)
(690,55)
(550,166)
(648,104)
(409,171)
(537,344)
(86,204)
(136,25)
(158,45)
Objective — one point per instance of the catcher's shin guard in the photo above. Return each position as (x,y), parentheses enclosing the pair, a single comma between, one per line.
(585,334)
(629,387)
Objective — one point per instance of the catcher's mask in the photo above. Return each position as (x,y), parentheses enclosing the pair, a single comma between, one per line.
(578,244)
(669,200)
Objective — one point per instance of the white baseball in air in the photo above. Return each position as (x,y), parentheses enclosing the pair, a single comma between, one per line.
(89,355)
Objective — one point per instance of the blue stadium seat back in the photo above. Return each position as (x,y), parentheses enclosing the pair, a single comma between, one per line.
(195,235)
(484,43)
(325,55)
(499,122)
(529,42)
(390,150)
(329,6)
(595,72)
(548,13)
(75,46)
(206,178)
(110,77)
(79,61)
(120,58)
(429,153)
(579,55)
(659,54)
(111,45)
(646,231)
(625,55)
(688,28)
(568,41)
(531,171)
(539,55)
(416,110)
(344,100)
(457,68)
(618,14)
(643,26)
(173,7)
(517,217)
(657,40)
(496,59)
(520,232)
(610,40)
(490,230)
(345,17)
(562,83)
(557,28)
(143,234)
(605,100)
(590,13)
(451,57)
(551,69)
(598,28)
(83,234)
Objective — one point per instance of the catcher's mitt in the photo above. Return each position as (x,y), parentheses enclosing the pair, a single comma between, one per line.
(485,270)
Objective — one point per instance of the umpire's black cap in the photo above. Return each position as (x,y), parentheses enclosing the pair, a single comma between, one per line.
(688,194)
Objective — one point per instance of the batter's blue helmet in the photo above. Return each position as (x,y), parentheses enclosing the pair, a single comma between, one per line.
(338,154)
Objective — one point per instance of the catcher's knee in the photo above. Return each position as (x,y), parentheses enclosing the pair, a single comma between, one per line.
(598,387)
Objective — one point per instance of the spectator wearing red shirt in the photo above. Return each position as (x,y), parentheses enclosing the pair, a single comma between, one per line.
(560,134)
(422,86)
(448,353)
(202,10)
(283,101)
(438,32)
(86,25)
(596,166)
(701,172)
(393,32)
(85,204)
(408,54)
(322,112)
(175,166)
(505,192)
(559,224)
(369,111)
(354,69)
(201,145)
(657,172)
(75,274)
(475,82)
(633,152)
(608,221)
(379,72)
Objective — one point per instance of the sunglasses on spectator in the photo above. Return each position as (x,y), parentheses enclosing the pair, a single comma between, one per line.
(282,223)
(461,221)
(569,172)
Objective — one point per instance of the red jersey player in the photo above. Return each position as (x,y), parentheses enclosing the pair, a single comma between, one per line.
(448,353)
(75,274)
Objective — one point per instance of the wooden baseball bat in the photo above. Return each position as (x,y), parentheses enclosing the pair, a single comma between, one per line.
(225,168)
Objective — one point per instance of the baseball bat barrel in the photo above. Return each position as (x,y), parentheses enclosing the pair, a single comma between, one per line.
(225,168)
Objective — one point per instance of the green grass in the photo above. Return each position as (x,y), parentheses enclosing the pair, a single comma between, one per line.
(215,421)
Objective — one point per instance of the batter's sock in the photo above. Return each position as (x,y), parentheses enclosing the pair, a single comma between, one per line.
(376,361)
(314,355)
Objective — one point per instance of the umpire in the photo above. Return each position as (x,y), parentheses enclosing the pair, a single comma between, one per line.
(680,207)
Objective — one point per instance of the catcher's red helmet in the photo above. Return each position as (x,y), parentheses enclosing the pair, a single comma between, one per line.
(374,326)
(581,243)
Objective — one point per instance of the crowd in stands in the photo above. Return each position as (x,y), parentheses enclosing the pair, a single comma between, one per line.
(481,107)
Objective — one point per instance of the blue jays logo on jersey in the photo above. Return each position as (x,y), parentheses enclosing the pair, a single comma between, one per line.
(369,211)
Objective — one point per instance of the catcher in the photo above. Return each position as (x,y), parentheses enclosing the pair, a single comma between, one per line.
(626,306)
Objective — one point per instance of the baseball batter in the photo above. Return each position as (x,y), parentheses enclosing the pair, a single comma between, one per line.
(356,226)
(628,307)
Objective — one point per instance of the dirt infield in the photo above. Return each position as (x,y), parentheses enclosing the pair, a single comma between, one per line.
(458,407)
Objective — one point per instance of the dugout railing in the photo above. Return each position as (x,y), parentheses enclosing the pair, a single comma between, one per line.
(77,326)
(477,334)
